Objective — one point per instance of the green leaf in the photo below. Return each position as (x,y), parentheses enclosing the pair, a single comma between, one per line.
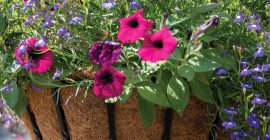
(126,94)
(201,64)
(178,94)
(44,80)
(3,23)
(202,91)
(208,39)
(12,97)
(153,93)
(147,111)
(21,105)
(205,8)
(186,71)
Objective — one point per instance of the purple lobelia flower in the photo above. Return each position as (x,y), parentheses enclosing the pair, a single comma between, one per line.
(267,36)
(54,7)
(257,100)
(239,18)
(257,69)
(259,79)
(268,105)
(255,25)
(259,51)
(36,88)
(245,72)
(221,72)
(267,135)
(64,33)
(246,85)
(109,4)
(134,4)
(253,121)
(56,74)
(40,43)
(229,124)
(75,20)
(7,88)
(47,20)
(236,135)
(28,21)
(244,63)
(105,52)
(230,111)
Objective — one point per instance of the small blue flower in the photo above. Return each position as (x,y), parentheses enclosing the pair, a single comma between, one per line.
(229,124)
(253,121)
(75,20)
(28,21)
(259,79)
(267,135)
(246,85)
(7,88)
(230,111)
(41,42)
(109,4)
(236,135)
(22,49)
(56,74)
(257,100)
(259,52)
(239,18)
(134,4)
(258,69)
(245,72)
(244,63)
(221,72)
(255,25)
(36,88)
(267,36)
(64,33)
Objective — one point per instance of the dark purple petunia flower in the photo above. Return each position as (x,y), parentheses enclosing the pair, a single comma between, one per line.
(239,18)
(108,82)
(57,74)
(259,79)
(255,25)
(109,4)
(267,36)
(259,52)
(245,72)
(64,33)
(253,121)
(105,52)
(229,124)
(236,135)
(75,20)
(246,85)
(221,72)
(230,111)
(134,4)
(257,100)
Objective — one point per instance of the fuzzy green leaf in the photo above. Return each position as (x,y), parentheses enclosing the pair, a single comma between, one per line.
(147,111)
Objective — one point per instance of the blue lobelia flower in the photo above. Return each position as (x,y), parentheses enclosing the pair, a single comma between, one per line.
(253,121)
(245,72)
(230,111)
(56,74)
(259,51)
(236,135)
(259,79)
(75,20)
(267,36)
(255,25)
(257,100)
(244,63)
(64,33)
(229,124)
(239,18)
(257,69)
(246,85)
(109,4)
(134,4)
(267,135)
(28,21)
(221,72)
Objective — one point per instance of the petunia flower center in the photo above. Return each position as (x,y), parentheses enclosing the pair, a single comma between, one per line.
(133,23)
(34,55)
(106,77)
(158,44)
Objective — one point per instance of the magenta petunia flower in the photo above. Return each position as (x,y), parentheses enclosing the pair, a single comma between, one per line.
(158,46)
(34,56)
(107,52)
(108,82)
(133,27)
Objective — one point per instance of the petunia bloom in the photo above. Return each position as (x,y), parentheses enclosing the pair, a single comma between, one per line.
(35,58)
(133,27)
(107,52)
(108,82)
(158,46)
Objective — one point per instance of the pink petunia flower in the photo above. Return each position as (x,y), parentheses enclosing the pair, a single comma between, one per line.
(108,82)
(133,27)
(158,46)
(34,55)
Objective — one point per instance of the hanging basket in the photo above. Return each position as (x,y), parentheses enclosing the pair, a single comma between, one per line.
(49,119)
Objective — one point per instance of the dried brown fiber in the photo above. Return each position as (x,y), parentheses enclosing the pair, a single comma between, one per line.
(88,120)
